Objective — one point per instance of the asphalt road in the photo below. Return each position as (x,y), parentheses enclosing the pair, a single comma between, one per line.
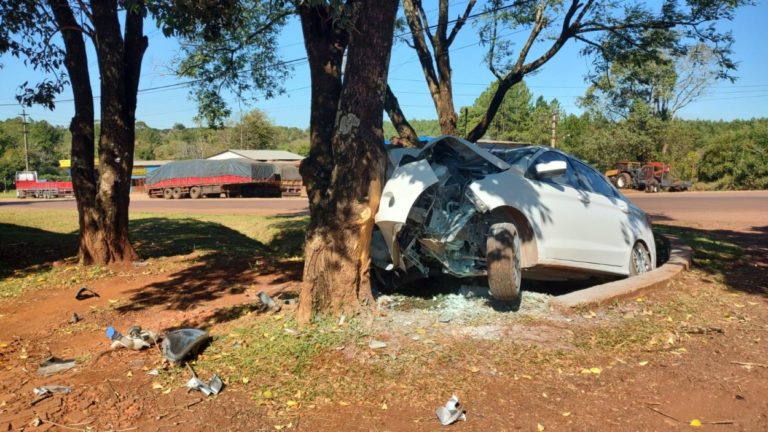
(738,211)
(741,211)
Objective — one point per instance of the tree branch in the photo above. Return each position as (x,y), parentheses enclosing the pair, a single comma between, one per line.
(459,23)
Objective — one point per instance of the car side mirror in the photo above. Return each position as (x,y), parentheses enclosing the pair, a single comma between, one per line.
(550,169)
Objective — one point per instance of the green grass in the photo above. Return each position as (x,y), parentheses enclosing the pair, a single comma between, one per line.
(273,358)
(11,194)
(710,254)
(33,240)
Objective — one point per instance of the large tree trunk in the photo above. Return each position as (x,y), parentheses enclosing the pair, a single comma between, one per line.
(81,126)
(103,204)
(336,252)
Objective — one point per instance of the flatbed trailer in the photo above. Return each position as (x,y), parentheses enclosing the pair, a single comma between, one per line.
(28,186)
(214,178)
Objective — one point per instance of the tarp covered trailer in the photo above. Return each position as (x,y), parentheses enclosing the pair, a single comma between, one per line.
(197,178)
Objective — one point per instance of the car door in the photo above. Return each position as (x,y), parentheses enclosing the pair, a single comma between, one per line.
(562,210)
(606,233)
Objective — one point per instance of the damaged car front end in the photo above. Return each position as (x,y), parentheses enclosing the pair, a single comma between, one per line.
(455,208)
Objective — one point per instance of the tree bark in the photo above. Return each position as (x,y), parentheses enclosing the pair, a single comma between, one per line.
(406,134)
(81,126)
(341,220)
(103,203)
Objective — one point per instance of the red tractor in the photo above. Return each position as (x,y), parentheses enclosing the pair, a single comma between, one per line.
(648,176)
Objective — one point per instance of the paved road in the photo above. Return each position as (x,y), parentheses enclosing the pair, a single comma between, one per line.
(140,203)
(739,211)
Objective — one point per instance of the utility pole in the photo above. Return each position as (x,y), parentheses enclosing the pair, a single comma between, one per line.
(26,146)
(553,142)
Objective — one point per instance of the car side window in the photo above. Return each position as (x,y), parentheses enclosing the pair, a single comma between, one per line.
(594,181)
(564,179)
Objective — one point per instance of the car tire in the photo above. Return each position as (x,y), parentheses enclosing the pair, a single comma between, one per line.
(639,260)
(503,261)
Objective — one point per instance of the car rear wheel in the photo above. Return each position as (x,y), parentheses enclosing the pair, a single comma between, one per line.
(639,260)
(503,261)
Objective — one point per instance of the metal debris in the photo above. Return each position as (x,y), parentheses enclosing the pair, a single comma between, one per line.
(53,365)
(451,412)
(268,302)
(376,344)
(75,319)
(51,388)
(213,387)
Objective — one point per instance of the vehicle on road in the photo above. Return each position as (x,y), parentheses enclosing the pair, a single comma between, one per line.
(28,186)
(648,176)
(200,178)
(505,214)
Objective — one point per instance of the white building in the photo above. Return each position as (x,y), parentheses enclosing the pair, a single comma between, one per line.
(259,155)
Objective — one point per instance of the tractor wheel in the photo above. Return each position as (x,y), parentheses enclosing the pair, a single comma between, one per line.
(503,261)
(167,193)
(195,192)
(177,193)
(623,180)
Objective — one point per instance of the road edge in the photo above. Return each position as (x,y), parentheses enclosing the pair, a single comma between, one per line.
(680,259)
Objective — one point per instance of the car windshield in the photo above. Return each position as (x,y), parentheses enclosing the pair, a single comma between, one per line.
(518,157)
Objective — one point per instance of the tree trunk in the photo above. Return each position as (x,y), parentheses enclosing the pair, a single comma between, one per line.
(406,134)
(336,252)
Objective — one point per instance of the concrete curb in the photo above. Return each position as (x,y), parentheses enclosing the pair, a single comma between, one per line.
(680,258)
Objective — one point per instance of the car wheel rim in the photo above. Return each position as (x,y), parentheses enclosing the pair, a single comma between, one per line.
(640,259)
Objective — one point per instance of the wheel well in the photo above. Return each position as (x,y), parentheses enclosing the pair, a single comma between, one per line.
(528,245)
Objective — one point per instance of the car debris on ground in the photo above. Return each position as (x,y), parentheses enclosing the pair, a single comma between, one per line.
(75,319)
(214,386)
(85,293)
(268,303)
(181,343)
(451,412)
(53,365)
(51,388)
(136,339)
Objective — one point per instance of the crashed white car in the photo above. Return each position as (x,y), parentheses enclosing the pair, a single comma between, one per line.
(510,213)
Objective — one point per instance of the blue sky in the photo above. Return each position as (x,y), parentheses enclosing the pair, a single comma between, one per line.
(561,78)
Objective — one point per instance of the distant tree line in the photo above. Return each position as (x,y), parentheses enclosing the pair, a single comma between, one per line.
(714,154)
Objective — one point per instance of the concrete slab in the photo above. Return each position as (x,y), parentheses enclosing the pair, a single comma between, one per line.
(680,258)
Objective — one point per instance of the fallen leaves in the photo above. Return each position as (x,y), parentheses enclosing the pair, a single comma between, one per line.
(592,370)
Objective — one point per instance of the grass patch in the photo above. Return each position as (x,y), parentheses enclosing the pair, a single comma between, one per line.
(274,360)
(33,240)
(9,194)
(710,254)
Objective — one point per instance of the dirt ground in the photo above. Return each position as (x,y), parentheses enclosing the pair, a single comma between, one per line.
(692,356)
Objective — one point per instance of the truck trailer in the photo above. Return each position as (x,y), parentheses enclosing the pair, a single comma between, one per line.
(28,186)
(200,178)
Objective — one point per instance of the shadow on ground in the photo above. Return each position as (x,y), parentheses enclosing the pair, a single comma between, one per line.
(226,263)
(740,257)
(29,249)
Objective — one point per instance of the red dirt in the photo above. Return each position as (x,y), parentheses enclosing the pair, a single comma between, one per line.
(696,377)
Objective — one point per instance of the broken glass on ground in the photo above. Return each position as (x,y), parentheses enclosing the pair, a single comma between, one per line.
(180,343)
(451,412)
(53,365)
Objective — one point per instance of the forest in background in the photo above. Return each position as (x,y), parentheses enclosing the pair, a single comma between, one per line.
(718,155)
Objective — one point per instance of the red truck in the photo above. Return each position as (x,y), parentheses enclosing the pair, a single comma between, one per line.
(28,186)
(199,178)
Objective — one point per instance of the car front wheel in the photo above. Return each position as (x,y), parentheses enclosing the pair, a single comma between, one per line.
(503,261)
(639,260)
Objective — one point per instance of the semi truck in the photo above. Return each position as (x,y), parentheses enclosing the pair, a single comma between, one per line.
(200,178)
(28,186)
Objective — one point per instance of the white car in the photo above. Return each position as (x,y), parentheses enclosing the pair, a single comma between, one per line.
(529,212)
